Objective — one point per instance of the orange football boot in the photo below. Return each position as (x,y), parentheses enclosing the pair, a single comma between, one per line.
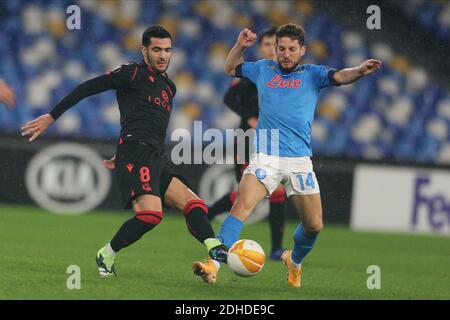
(207,270)
(294,274)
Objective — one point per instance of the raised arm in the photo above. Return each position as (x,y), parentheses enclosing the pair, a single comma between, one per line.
(37,126)
(349,75)
(245,40)
(84,90)
(113,80)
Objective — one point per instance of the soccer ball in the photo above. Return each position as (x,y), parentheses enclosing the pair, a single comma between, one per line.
(246,258)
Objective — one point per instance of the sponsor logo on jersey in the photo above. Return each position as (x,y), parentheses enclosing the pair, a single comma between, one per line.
(278,82)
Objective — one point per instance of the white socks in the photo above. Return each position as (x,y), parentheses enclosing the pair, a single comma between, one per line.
(110,250)
(217,264)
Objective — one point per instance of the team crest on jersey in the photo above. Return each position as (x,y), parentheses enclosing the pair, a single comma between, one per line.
(260,173)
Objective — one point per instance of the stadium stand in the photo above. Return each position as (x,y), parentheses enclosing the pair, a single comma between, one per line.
(433,16)
(396,114)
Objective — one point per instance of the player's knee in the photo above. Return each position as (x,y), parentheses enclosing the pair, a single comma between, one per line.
(313,228)
(192,204)
(152,218)
(242,205)
(241,209)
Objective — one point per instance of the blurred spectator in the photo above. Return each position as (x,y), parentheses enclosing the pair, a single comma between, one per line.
(398,114)
(7,94)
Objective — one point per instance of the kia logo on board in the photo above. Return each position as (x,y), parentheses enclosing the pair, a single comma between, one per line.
(67,178)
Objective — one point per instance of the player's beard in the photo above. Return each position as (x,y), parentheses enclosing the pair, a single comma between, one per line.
(287,70)
(154,66)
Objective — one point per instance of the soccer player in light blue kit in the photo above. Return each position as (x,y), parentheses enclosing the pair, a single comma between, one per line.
(288,94)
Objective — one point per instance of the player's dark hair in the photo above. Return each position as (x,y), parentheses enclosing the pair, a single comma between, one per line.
(154,32)
(293,31)
(269,32)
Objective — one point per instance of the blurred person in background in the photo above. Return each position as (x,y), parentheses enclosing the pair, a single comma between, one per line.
(7,94)
(242,98)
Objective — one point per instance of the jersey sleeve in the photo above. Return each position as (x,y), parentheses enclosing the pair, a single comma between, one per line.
(249,70)
(122,75)
(323,76)
(118,78)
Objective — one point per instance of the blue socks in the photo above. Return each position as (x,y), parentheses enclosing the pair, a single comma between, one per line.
(303,243)
(230,230)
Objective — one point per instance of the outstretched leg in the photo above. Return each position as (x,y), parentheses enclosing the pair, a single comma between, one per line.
(148,214)
(250,192)
(195,211)
(232,226)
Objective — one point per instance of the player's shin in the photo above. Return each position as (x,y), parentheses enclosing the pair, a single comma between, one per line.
(133,229)
(195,212)
(230,230)
(303,243)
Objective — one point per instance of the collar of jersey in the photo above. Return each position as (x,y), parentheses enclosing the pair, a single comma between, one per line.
(153,70)
(286,74)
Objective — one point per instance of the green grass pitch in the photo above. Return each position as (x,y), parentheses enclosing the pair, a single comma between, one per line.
(36,248)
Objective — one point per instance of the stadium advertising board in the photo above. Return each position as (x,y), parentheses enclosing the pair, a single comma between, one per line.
(67,178)
(401,199)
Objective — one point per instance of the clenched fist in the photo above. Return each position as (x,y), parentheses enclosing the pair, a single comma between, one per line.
(246,38)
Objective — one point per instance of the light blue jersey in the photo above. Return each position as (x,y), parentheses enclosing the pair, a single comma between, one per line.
(286,102)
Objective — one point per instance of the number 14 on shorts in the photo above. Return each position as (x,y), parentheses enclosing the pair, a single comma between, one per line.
(306,181)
